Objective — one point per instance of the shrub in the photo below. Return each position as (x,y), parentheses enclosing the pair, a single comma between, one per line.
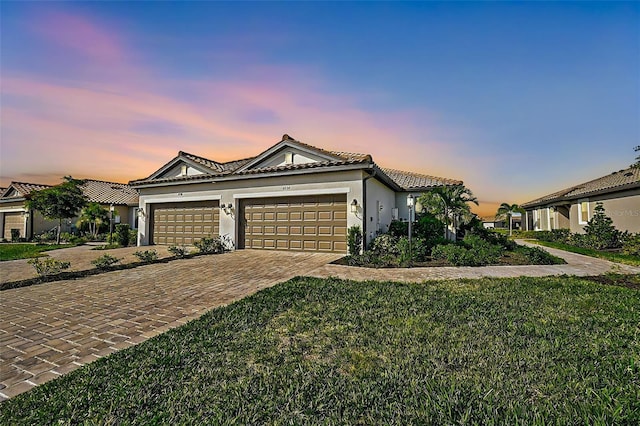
(474,251)
(554,236)
(420,250)
(133,237)
(354,240)
(104,261)
(398,228)
(385,243)
(121,235)
(631,245)
(147,255)
(428,227)
(48,266)
(179,251)
(600,229)
(211,245)
(539,256)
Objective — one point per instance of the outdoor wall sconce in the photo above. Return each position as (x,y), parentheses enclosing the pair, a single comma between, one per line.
(141,213)
(227,208)
(354,206)
(25,214)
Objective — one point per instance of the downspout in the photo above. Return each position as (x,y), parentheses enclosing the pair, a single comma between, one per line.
(365,237)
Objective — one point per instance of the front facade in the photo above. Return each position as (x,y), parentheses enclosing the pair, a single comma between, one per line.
(292,196)
(573,207)
(17,219)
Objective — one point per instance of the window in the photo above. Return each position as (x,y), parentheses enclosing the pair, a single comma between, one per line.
(183,170)
(583,212)
(288,157)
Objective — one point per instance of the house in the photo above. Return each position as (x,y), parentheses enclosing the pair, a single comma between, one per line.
(493,223)
(293,196)
(572,208)
(14,214)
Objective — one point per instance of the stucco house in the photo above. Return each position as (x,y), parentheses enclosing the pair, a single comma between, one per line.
(293,196)
(571,208)
(15,215)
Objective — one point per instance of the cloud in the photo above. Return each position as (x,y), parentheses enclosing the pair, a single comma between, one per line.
(124,125)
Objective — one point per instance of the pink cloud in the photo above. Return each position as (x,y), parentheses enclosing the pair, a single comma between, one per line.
(81,34)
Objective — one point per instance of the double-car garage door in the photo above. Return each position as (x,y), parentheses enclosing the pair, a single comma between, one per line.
(309,223)
(306,223)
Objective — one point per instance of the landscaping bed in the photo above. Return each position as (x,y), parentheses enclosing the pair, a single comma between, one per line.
(556,350)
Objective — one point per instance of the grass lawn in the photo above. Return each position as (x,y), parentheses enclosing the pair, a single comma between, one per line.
(612,256)
(558,350)
(11,251)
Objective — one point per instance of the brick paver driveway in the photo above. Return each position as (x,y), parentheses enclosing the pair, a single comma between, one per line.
(50,329)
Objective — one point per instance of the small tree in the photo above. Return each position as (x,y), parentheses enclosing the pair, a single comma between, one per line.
(506,211)
(600,229)
(94,215)
(637,163)
(449,204)
(62,201)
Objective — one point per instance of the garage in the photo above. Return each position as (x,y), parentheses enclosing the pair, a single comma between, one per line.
(307,223)
(184,223)
(13,220)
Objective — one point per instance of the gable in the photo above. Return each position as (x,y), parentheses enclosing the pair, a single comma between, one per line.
(181,169)
(287,156)
(289,152)
(182,166)
(11,193)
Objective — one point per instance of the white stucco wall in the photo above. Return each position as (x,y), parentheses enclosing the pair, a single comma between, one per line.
(378,219)
(230,192)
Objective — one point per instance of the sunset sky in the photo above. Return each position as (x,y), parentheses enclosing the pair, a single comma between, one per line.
(516,99)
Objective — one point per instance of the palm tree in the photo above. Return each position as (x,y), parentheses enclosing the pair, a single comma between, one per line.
(507,210)
(449,204)
(93,215)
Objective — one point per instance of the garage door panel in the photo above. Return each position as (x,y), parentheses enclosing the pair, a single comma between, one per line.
(308,223)
(184,223)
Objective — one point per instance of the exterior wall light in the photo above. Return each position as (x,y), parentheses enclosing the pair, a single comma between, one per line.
(354,206)
(227,208)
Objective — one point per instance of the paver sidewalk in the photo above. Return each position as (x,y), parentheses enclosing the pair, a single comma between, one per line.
(50,329)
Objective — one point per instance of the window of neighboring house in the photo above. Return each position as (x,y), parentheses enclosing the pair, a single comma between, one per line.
(583,212)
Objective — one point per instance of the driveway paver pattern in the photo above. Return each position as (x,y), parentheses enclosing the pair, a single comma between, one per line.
(79,256)
(50,329)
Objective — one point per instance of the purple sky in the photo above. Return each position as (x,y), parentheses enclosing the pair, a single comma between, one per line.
(516,99)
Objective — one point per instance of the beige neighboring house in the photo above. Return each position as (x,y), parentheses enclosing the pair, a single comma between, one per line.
(572,208)
(293,196)
(14,214)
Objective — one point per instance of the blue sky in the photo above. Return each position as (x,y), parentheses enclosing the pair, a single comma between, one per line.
(517,99)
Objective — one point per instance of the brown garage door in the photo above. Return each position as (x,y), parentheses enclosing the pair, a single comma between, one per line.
(184,223)
(310,223)
(13,221)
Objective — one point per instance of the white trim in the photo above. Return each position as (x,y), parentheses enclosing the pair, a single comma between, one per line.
(179,197)
(12,209)
(285,193)
(549,218)
(580,221)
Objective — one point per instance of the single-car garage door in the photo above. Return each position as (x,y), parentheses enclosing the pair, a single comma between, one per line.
(309,223)
(13,220)
(184,223)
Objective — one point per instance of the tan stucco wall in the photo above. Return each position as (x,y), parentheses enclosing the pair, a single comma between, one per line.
(622,207)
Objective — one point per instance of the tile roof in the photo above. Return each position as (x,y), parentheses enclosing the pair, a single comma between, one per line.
(405,180)
(417,181)
(609,183)
(102,192)
(23,188)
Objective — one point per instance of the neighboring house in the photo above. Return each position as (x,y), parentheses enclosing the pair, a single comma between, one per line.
(492,223)
(573,207)
(14,214)
(292,196)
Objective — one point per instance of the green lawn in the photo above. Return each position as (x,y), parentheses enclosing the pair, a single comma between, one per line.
(613,257)
(11,251)
(558,350)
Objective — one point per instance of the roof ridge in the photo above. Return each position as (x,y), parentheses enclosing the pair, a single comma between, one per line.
(417,173)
